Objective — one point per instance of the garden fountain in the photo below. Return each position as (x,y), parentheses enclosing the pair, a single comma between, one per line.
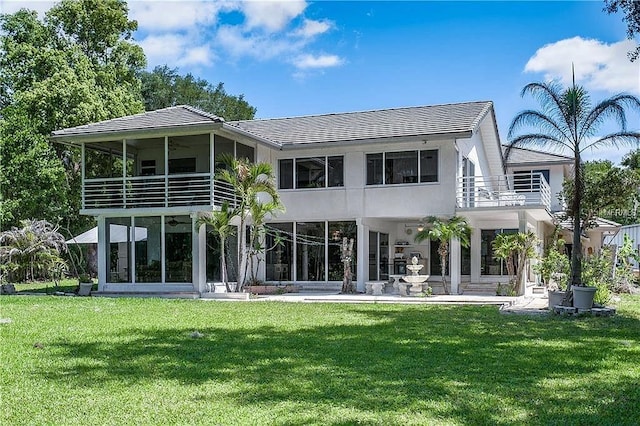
(414,279)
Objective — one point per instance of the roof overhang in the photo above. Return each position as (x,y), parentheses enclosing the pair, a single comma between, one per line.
(192,128)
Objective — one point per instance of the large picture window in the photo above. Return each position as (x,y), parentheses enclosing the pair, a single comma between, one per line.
(311,253)
(402,167)
(311,172)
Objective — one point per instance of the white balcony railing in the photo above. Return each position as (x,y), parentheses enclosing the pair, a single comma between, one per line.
(194,189)
(523,189)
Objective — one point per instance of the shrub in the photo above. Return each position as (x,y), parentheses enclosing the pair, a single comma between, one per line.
(603,293)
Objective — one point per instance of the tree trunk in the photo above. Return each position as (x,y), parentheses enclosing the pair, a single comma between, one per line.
(444,253)
(347,253)
(576,250)
(242,256)
(223,265)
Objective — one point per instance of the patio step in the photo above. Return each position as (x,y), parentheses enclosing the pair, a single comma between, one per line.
(480,289)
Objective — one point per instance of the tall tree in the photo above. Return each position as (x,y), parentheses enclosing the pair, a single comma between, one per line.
(631,11)
(164,87)
(567,121)
(610,192)
(443,231)
(75,66)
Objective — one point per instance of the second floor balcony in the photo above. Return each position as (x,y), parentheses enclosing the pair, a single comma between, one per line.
(179,190)
(525,189)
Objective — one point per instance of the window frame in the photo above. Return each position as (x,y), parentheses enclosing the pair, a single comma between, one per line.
(293,161)
(418,174)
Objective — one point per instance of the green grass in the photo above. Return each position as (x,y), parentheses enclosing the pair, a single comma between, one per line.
(134,361)
(48,287)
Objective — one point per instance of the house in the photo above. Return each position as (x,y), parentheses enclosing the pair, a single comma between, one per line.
(371,175)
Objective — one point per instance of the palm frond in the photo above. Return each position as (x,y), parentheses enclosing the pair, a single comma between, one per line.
(532,118)
(541,140)
(616,140)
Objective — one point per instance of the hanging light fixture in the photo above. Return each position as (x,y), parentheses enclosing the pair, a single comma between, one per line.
(420,227)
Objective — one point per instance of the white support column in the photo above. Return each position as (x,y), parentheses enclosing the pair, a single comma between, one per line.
(294,263)
(212,168)
(522,221)
(198,247)
(166,181)
(124,172)
(163,262)
(132,250)
(454,265)
(103,246)
(326,251)
(82,170)
(362,247)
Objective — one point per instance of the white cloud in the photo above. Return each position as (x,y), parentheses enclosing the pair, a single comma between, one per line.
(175,50)
(598,65)
(311,28)
(196,32)
(259,46)
(307,61)
(158,16)
(12,6)
(271,16)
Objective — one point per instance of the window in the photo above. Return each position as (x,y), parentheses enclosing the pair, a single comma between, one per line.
(429,166)
(402,167)
(279,256)
(375,171)
(489,265)
(311,172)
(147,167)
(335,167)
(378,256)
(337,231)
(529,180)
(182,165)
(310,249)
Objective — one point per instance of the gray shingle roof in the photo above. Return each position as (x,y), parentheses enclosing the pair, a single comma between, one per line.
(367,125)
(530,156)
(176,116)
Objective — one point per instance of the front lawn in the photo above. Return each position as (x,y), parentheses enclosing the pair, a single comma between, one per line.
(151,361)
(68,285)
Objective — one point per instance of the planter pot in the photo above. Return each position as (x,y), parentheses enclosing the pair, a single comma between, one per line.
(85,289)
(583,297)
(555,298)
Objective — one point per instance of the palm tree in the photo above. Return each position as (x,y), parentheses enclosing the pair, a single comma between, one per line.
(443,230)
(253,183)
(567,121)
(30,252)
(515,250)
(220,222)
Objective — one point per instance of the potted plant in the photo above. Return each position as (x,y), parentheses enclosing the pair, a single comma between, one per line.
(85,285)
(554,269)
(597,274)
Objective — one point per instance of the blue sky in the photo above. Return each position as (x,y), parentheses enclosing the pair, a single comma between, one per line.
(296,58)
